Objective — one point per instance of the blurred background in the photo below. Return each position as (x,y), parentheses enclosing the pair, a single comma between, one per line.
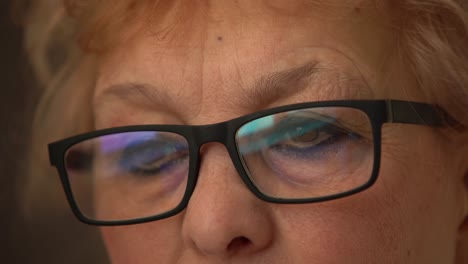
(47,233)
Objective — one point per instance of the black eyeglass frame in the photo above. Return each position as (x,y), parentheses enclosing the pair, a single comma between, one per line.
(379,112)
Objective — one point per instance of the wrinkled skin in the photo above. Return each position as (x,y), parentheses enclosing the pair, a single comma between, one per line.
(412,214)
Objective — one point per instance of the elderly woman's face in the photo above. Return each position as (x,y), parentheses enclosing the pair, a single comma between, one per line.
(207,69)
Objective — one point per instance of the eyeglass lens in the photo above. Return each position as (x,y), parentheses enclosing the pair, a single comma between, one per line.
(128,175)
(308,153)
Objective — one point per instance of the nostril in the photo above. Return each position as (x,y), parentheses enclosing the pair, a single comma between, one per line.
(239,244)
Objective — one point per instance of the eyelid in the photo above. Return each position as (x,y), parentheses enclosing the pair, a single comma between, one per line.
(327,126)
(160,152)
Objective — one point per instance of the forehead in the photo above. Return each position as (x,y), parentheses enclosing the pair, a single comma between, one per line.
(261,25)
(190,25)
(219,50)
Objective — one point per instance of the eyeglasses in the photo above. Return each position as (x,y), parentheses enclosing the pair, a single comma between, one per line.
(301,153)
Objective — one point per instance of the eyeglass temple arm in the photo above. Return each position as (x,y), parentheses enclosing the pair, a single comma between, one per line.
(415,113)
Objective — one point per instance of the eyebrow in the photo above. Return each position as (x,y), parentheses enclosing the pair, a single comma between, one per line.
(274,85)
(129,90)
(265,90)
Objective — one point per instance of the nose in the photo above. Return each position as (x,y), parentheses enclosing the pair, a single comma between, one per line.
(223,218)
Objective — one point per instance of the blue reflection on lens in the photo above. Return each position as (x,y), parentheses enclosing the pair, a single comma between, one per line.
(116,142)
(255,126)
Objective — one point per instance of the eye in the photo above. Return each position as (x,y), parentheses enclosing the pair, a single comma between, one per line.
(296,130)
(153,157)
(307,137)
(301,137)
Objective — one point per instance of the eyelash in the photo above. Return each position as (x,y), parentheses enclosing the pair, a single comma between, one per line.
(168,161)
(309,151)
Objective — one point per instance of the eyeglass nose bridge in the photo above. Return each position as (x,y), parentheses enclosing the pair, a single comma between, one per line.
(216,133)
(211,133)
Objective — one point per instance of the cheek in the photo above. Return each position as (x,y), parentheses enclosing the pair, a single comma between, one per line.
(406,217)
(346,231)
(142,242)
